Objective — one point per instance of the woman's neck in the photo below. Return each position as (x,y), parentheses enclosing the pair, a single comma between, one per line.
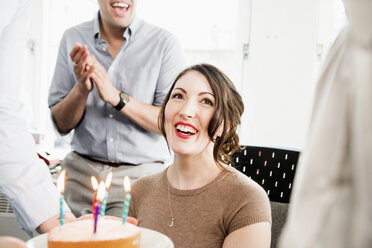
(188,172)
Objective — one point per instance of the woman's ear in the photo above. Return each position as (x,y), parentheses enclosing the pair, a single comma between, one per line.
(218,133)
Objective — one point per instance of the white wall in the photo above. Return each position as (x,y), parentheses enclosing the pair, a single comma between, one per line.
(279,76)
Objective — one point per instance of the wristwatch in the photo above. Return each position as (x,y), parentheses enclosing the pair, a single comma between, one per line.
(124,99)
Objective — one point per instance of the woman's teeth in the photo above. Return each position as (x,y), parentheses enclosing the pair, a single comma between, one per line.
(186,129)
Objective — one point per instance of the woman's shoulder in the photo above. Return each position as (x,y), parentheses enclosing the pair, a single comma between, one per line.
(247,202)
(147,180)
(239,182)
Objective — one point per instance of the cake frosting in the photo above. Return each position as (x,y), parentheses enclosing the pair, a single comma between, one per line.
(110,234)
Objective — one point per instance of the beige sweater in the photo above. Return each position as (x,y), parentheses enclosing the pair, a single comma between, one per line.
(231,201)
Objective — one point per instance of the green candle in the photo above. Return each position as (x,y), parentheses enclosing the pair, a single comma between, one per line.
(127,198)
(104,202)
(61,188)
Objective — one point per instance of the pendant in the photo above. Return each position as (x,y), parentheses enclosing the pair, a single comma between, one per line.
(172,222)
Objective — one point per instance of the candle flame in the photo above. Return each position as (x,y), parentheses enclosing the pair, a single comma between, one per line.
(101,191)
(108,180)
(61,181)
(126,184)
(94,183)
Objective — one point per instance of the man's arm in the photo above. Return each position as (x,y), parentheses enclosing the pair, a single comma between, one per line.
(144,115)
(69,111)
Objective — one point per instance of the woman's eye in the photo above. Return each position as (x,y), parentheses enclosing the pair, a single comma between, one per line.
(177,96)
(207,101)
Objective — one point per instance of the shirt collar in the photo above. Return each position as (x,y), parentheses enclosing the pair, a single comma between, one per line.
(96,32)
(131,29)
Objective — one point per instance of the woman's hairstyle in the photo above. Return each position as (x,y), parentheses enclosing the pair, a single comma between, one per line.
(229,107)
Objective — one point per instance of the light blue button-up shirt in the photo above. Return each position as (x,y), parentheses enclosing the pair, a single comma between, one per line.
(145,67)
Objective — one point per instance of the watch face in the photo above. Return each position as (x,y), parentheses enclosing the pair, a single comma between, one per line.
(124,97)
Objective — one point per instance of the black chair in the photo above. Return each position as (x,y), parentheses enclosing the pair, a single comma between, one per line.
(274,169)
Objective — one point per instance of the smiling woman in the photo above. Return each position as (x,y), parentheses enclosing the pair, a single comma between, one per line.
(188,113)
(199,118)
(216,102)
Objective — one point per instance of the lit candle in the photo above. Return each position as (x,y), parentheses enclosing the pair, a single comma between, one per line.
(127,198)
(104,202)
(100,195)
(95,188)
(61,189)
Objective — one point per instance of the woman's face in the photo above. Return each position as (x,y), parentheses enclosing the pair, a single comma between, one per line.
(187,114)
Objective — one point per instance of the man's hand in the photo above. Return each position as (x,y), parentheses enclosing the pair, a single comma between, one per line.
(52,222)
(83,66)
(101,79)
(11,242)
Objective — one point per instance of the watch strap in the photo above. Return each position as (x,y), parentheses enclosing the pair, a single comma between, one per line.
(121,103)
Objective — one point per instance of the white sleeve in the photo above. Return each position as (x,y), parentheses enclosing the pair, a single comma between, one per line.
(24,179)
(360,63)
(359,13)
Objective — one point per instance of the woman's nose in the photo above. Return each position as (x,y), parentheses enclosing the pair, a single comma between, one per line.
(188,110)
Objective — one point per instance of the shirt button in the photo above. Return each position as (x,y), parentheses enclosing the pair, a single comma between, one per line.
(112,68)
(111,139)
(111,116)
(104,49)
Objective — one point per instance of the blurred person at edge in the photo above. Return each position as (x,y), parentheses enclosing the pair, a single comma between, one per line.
(111,76)
(332,200)
(24,179)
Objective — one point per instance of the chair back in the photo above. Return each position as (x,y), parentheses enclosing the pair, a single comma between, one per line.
(274,169)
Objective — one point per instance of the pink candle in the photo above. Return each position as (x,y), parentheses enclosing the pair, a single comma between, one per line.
(96,214)
(95,188)
(100,195)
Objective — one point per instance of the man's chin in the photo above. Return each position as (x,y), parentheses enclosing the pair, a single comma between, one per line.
(123,22)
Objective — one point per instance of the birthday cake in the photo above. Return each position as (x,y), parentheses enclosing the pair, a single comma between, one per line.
(110,234)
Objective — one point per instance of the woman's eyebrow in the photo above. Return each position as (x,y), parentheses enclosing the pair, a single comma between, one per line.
(181,89)
(206,93)
(201,93)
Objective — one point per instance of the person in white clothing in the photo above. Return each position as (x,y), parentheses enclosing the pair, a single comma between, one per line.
(24,179)
(332,199)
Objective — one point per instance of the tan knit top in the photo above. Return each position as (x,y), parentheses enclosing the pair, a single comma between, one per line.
(231,201)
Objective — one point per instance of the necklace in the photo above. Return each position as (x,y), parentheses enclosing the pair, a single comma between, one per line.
(173,217)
